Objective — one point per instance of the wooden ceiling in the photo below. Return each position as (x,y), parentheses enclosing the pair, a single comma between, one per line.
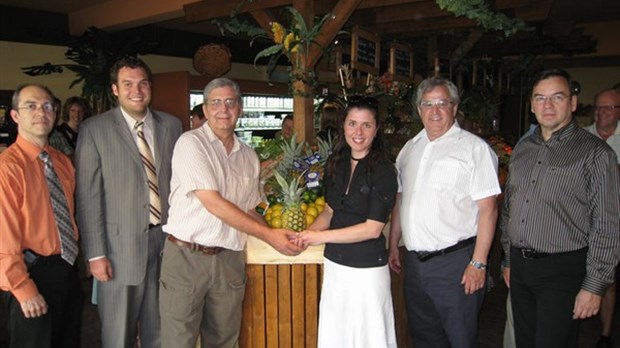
(560,29)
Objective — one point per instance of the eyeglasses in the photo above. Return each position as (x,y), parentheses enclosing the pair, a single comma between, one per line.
(554,99)
(442,104)
(32,107)
(217,103)
(606,107)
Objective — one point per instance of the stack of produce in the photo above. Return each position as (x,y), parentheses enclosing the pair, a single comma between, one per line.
(293,183)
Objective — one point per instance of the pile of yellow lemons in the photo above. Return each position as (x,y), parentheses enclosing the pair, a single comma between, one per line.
(311,210)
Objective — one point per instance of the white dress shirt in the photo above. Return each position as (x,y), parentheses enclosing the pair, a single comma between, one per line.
(440,182)
(613,140)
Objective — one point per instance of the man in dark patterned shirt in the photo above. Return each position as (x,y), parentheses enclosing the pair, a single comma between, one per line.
(559,223)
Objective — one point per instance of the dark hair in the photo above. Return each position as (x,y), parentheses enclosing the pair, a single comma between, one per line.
(287,117)
(18,91)
(129,62)
(330,116)
(75,100)
(198,112)
(573,86)
(342,150)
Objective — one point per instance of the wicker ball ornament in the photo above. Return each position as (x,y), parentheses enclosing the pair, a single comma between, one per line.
(212,60)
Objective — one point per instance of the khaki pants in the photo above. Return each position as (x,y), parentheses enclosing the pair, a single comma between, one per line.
(201,294)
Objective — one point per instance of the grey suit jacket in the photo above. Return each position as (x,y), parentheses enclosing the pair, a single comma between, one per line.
(112,196)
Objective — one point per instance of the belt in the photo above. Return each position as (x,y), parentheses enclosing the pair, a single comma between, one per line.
(531,254)
(427,255)
(196,247)
(153,226)
(32,259)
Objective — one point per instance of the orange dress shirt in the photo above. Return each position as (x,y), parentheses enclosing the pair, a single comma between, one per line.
(26,216)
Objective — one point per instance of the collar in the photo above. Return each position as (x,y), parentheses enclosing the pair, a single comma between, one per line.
(454,131)
(131,122)
(559,135)
(31,150)
(213,138)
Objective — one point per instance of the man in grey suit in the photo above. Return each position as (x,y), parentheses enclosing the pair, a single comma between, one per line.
(123,181)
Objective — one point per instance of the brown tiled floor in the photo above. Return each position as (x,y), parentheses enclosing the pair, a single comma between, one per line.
(491,323)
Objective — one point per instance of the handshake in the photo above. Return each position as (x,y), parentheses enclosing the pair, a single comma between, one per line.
(304,238)
(291,243)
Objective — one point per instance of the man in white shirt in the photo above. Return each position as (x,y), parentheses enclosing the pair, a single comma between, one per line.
(605,126)
(445,212)
(214,189)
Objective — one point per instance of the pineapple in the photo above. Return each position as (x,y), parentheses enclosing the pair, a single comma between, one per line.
(291,150)
(324,150)
(293,218)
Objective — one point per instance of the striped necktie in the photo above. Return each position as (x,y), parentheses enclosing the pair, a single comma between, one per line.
(68,243)
(151,173)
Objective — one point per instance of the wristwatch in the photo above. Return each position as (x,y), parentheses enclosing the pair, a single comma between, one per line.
(478,264)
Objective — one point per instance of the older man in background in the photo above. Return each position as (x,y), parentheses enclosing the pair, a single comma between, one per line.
(605,126)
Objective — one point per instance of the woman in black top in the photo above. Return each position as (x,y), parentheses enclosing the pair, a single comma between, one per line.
(360,185)
(64,136)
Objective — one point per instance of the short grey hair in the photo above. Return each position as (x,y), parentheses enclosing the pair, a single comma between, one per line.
(432,82)
(222,82)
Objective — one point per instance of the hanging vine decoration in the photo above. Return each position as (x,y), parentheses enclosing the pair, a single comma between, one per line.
(478,10)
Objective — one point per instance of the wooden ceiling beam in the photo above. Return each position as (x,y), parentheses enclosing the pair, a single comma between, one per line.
(340,14)
(535,11)
(417,28)
(406,12)
(211,9)
(107,16)
(264,20)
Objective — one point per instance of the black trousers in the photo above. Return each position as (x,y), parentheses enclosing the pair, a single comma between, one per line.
(543,293)
(58,283)
(439,313)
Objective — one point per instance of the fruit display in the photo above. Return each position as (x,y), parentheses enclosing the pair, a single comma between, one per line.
(292,184)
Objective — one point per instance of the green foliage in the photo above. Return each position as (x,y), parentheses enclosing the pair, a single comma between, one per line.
(94,53)
(479,11)
(292,41)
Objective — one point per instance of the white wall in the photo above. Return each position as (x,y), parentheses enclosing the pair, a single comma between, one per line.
(18,55)
(593,80)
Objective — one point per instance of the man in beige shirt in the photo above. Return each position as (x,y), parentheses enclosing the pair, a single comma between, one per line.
(214,189)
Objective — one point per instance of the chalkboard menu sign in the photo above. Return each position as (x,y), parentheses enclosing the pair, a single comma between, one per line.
(365,50)
(401,62)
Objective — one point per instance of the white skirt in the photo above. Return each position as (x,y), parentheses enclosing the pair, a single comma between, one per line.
(356,308)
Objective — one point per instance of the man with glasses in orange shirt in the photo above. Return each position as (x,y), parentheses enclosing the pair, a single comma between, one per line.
(38,276)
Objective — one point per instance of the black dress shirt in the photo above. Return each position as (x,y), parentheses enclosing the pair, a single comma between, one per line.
(371,196)
(562,195)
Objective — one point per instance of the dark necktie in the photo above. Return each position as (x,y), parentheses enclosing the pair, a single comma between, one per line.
(68,244)
(151,173)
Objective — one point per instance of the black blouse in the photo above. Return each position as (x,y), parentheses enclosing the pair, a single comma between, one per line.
(68,133)
(371,196)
